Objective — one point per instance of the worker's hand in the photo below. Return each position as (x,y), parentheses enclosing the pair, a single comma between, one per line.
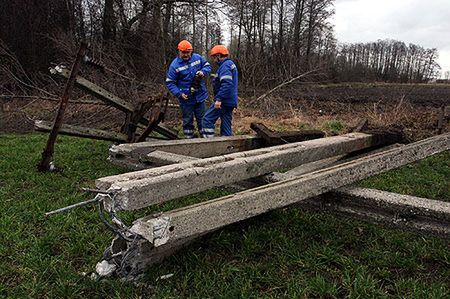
(217,104)
(184,96)
(199,74)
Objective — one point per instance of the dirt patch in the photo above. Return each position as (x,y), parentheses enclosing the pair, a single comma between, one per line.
(428,95)
(413,109)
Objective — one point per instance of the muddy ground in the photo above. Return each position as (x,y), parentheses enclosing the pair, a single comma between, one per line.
(413,109)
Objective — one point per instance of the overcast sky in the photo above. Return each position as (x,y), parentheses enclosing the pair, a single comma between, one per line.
(425,23)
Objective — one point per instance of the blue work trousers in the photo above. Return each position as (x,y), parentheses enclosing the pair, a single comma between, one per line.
(188,112)
(210,118)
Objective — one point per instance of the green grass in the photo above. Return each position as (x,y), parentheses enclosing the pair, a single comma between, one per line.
(334,127)
(288,253)
(429,178)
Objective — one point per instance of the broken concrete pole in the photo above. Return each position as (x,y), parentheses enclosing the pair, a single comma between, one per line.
(135,155)
(184,222)
(396,210)
(78,131)
(142,188)
(415,213)
(110,98)
(96,90)
(275,138)
(159,158)
(316,165)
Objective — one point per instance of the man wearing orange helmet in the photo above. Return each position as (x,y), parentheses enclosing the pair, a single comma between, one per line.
(225,86)
(186,69)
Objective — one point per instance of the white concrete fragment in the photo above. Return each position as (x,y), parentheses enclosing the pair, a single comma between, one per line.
(156,230)
(105,269)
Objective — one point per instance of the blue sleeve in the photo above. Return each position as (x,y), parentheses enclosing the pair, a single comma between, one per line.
(171,82)
(206,69)
(225,78)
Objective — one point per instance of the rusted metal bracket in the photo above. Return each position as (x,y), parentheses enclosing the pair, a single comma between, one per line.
(157,116)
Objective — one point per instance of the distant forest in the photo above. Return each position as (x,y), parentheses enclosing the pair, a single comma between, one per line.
(271,41)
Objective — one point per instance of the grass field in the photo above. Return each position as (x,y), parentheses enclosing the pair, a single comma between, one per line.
(288,253)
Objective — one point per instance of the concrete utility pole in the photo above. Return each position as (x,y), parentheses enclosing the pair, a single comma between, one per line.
(47,154)
(183,223)
(158,236)
(139,189)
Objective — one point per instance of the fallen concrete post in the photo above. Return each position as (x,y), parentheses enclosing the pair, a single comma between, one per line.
(96,90)
(143,188)
(135,155)
(78,131)
(183,223)
(275,138)
(316,165)
(110,98)
(159,158)
(396,210)
(410,212)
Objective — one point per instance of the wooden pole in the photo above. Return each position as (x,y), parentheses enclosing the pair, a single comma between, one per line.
(47,154)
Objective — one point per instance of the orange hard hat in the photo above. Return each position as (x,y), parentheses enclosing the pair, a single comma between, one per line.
(185,46)
(219,49)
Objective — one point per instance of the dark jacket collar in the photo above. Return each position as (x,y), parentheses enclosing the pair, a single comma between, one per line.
(222,61)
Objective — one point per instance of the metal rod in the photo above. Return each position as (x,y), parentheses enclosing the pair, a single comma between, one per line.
(71,207)
(94,191)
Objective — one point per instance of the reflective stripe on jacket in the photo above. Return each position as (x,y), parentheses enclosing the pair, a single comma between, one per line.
(181,74)
(226,83)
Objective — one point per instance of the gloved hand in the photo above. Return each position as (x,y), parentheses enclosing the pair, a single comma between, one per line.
(196,83)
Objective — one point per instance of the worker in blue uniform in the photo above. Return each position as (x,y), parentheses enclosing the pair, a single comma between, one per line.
(184,81)
(225,86)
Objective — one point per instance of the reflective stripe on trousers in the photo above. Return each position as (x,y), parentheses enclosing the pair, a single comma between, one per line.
(210,118)
(188,112)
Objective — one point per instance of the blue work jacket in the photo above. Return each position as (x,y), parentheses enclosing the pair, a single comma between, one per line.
(181,75)
(225,84)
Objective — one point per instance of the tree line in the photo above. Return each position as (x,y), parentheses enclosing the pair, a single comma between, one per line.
(386,60)
(270,40)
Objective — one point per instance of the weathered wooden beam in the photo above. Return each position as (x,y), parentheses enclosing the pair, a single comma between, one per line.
(45,126)
(146,187)
(184,222)
(135,156)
